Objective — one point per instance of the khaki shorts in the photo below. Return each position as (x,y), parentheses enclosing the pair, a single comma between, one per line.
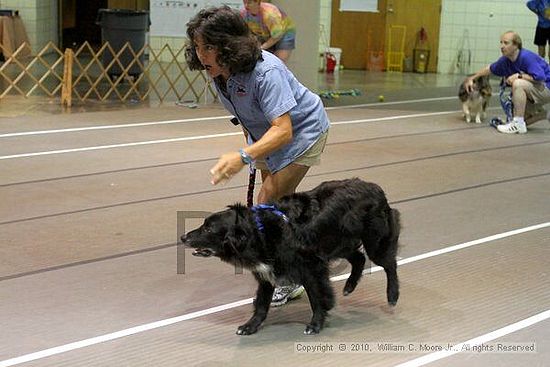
(538,95)
(311,157)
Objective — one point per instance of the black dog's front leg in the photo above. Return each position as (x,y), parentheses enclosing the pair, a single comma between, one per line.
(261,307)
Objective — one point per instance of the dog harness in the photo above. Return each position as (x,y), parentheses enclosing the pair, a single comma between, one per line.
(256,208)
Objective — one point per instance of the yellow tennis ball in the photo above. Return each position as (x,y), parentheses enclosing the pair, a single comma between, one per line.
(381,98)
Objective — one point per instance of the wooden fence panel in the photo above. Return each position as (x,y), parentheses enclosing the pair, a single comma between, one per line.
(104,74)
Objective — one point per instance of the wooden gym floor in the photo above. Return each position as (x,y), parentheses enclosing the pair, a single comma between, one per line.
(88,225)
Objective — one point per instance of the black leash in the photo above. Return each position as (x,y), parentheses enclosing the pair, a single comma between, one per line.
(251,176)
(250,192)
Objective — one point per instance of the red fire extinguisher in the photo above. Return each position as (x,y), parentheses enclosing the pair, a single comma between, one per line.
(330,61)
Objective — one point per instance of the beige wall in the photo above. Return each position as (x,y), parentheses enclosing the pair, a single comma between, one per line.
(40,20)
(304,61)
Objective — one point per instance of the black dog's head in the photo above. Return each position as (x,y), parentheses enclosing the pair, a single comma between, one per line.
(224,234)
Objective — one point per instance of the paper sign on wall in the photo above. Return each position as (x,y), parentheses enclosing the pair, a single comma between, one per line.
(169,17)
(359,5)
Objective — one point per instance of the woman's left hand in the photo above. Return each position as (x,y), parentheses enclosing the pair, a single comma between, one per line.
(228,165)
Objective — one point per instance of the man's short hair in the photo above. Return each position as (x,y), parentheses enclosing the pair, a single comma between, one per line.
(516,39)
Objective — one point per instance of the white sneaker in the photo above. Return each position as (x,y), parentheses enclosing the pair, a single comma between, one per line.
(283,294)
(513,127)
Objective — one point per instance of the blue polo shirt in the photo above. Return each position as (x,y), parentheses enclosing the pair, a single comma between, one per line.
(267,92)
(527,62)
(539,7)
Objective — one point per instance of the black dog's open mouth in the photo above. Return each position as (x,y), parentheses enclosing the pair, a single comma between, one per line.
(203,252)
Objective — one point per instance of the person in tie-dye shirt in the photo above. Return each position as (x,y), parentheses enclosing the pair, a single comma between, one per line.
(274,29)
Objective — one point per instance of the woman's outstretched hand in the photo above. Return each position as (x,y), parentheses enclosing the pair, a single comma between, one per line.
(228,165)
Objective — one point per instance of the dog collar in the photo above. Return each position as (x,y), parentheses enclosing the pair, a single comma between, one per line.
(256,208)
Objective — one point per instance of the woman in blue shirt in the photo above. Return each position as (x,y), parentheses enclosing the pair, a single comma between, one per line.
(285,124)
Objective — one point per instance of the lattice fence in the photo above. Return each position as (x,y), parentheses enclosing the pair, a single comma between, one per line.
(104,74)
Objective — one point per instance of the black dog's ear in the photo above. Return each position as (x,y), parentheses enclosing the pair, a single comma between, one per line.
(239,209)
(235,239)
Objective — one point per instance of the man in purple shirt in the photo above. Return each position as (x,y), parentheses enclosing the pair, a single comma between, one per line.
(529,76)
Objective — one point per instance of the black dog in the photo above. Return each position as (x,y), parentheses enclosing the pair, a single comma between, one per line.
(294,239)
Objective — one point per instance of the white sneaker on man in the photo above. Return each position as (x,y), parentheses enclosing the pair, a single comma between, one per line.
(513,127)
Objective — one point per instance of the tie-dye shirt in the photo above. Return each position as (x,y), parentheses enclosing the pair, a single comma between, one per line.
(270,22)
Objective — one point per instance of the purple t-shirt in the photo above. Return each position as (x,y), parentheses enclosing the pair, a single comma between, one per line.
(527,62)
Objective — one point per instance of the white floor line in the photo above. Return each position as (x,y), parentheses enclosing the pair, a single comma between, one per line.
(392,103)
(161,323)
(432,357)
(106,127)
(123,145)
(398,117)
(202,137)
(227,117)
(119,334)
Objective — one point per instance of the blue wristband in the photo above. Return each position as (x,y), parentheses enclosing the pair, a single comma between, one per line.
(247,159)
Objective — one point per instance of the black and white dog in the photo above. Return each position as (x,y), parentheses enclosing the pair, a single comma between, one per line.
(294,239)
(475,102)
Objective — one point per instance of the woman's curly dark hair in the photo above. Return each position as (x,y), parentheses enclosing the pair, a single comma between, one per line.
(223,27)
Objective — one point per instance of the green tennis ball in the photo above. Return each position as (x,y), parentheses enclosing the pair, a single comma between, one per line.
(381,98)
